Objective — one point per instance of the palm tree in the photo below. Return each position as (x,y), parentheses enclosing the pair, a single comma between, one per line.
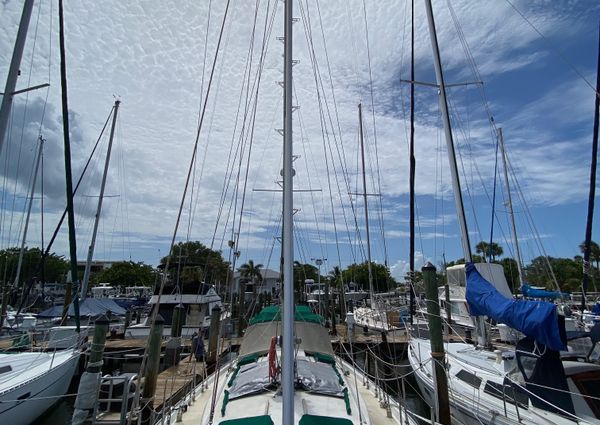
(594,252)
(492,250)
(335,279)
(251,271)
(335,276)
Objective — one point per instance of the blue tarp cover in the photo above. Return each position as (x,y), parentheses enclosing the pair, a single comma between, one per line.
(88,307)
(537,319)
(530,292)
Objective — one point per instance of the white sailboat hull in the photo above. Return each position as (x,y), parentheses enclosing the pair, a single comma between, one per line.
(187,331)
(29,393)
(472,406)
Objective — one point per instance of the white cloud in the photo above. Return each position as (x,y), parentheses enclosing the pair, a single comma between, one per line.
(151,54)
(400,268)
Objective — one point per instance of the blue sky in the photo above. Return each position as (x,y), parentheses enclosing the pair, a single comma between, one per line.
(152,56)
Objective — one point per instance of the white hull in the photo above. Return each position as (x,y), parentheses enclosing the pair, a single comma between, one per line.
(187,331)
(364,393)
(24,400)
(469,405)
(142,331)
(375,321)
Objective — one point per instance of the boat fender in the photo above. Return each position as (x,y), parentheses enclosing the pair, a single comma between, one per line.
(88,388)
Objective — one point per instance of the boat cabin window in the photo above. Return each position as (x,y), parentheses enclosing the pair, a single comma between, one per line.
(470,378)
(5,369)
(508,392)
(588,384)
(455,309)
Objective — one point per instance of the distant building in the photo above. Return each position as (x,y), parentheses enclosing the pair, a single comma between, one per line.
(96,266)
(271,282)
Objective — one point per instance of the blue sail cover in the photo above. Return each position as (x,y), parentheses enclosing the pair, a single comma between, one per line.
(537,319)
(88,307)
(530,292)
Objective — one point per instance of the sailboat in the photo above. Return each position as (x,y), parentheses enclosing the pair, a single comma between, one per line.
(31,382)
(286,371)
(379,316)
(526,385)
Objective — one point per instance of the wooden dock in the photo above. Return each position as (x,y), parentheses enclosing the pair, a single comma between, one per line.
(173,383)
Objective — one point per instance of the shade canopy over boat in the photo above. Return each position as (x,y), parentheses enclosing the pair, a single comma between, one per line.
(88,307)
(312,337)
(273,313)
(537,319)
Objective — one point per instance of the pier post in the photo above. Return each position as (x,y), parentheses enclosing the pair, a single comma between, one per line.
(152,367)
(177,323)
(242,310)
(89,384)
(173,349)
(350,325)
(127,321)
(213,334)
(333,320)
(437,344)
(448,309)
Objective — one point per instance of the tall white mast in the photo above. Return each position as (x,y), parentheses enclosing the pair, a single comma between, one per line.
(460,209)
(25,229)
(88,263)
(364,180)
(287,363)
(13,72)
(510,206)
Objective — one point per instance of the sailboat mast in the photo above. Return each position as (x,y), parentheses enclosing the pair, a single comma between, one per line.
(439,75)
(460,209)
(88,263)
(13,72)
(287,363)
(510,207)
(26,228)
(364,180)
(411,189)
(68,174)
(590,214)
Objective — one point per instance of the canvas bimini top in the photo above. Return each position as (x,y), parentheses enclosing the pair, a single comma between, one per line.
(272,313)
(313,338)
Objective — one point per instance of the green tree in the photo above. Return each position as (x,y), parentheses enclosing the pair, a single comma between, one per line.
(252,272)
(511,272)
(492,250)
(568,273)
(302,272)
(335,277)
(193,262)
(359,273)
(594,252)
(126,273)
(54,269)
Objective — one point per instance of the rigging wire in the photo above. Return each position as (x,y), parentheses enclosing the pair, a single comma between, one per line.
(183,197)
(375,144)
(555,50)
